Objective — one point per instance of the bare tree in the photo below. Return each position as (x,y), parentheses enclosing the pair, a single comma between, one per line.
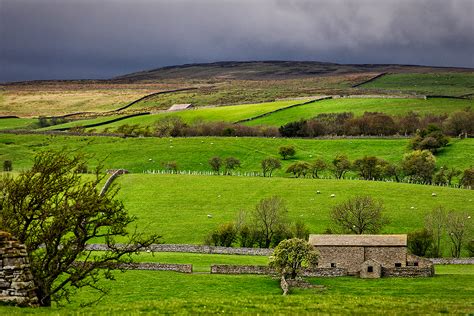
(458,225)
(359,215)
(269,217)
(435,223)
(340,165)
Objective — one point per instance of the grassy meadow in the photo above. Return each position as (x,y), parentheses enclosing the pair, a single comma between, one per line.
(160,292)
(17,123)
(360,105)
(177,206)
(141,154)
(452,84)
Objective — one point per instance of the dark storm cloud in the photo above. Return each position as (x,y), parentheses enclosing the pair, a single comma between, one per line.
(42,39)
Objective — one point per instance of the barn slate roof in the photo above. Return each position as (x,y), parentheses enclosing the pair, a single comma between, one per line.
(178,107)
(358,240)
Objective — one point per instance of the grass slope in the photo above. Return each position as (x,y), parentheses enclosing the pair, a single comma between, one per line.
(221,113)
(134,154)
(17,123)
(452,84)
(359,106)
(177,206)
(159,292)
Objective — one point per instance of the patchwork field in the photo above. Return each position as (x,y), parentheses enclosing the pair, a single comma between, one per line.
(142,154)
(359,106)
(452,84)
(168,292)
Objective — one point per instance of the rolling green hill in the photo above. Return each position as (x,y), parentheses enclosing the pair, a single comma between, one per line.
(141,154)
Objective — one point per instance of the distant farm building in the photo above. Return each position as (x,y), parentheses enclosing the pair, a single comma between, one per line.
(369,256)
(180,107)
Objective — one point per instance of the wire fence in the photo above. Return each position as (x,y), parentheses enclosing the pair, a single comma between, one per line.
(260,174)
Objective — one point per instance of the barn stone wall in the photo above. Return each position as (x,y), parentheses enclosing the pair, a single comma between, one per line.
(387,256)
(348,258)
(16,281)
(408,272)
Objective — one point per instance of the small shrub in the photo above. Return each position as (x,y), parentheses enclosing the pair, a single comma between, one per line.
(287,152)
(420,242)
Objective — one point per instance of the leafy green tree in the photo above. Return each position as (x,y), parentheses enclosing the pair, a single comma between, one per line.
(224,235)
(419,165)
(340,166)
(420,242)
(431,139)
(317,166)
(231,163)
(287,152)
(370,167)
(451,173)
(468,177)
(216,164)
(299,168)
(291,255)
(269,164)
(55,212)
(359,215)
(460,123)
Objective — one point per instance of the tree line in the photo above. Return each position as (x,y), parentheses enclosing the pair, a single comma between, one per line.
(459,124)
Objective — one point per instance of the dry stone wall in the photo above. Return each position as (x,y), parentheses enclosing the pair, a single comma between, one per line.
(254,269)
(16,280)
(183,268)
(197,249)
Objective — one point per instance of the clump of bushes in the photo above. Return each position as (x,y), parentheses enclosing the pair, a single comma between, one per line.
(264,227)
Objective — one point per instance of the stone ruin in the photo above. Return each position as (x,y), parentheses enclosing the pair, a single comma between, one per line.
(16,280)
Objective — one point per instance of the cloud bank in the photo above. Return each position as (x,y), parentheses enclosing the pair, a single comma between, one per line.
(64,39)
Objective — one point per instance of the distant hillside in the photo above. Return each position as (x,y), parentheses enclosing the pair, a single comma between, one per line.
(254,70)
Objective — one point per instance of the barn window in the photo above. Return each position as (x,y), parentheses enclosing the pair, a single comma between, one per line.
(415,264)
(370,269)
(398,265)
(333,265)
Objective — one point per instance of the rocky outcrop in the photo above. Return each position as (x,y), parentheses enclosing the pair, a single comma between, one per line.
(16,280)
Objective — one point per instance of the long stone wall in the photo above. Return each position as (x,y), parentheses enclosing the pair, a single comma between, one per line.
(452,260)
(255,269)
(16,281)
(183,268)
(197,249)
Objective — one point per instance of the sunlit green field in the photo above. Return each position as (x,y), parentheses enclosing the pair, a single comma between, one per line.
(359,106)
(453,84)
(222,113)
(159,292)
(177,206)
(17,123)
(141,154)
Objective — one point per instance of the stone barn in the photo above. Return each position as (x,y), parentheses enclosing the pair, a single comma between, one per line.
(369,256)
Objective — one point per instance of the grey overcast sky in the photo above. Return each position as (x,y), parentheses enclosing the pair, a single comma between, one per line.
(66,39)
